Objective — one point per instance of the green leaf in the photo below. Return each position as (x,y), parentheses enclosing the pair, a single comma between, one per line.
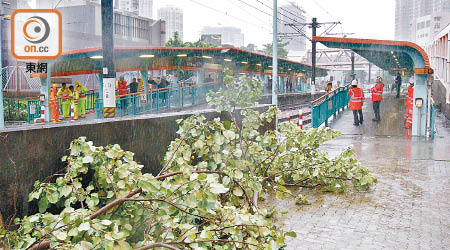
(43,204)
(238,191)
(61,236)
(66,190)
(88,159)
(291,234)
(84,226)
(218,188)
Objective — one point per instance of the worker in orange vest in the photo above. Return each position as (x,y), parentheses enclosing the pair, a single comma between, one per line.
(377,96)
(356,102)
(122,86)
(65,93)
(409,105)
(54,104)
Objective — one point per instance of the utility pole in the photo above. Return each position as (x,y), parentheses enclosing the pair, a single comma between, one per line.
(353,66)
(109,74)
(275,54)
(314,26)
(2,116)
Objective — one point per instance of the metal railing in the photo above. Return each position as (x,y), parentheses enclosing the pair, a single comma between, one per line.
(159,99)
(34,105)
(329,105)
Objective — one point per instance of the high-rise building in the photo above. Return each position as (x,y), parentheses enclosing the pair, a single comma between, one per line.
(409,14)
(174,21)
(230,35)
(292,13)
(146,8)
(127,5)
(51,4)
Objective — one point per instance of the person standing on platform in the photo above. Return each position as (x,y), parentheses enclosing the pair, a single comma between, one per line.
(377,96)
(121,86)
(64,93)
(409,105)
(80,107)
(74,98)
(356,103)
(398,82)
(54,104)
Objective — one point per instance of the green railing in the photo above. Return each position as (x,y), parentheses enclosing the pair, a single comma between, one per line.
(329,105)
(33,105)
(159,99)
(15,109)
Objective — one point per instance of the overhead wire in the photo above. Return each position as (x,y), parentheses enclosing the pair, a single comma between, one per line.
(231,16)
(300,31)
(247,12)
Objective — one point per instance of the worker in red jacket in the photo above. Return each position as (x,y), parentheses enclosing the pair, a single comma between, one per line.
(356,102)
(377,96)
(409,105)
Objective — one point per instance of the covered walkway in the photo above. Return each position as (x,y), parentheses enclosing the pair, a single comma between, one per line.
(397,56)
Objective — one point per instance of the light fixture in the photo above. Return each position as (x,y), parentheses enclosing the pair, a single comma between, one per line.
(96,57)
(227,60)
(392,52)
(207,57)
(244,62)
(147,56)
(258,64)
(289,69)
(182,55)
(270,66)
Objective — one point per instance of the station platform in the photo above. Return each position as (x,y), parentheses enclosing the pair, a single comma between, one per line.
(407,209)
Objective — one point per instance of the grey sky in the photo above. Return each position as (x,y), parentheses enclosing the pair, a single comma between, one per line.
(367,18)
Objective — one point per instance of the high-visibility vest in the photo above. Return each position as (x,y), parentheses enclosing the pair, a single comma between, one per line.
(81,91)
(122,87)
(65,94)
(356,98)
(53,100)
(409,106)
(377,92)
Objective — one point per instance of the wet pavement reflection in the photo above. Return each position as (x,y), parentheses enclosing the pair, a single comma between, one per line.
(409,208)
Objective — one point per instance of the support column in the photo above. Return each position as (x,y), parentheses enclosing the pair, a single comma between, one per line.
(100,86)
(420,91)
(2,116)
(275,54)
(144,75)
(200,76)
(109,78)
(45,89)
(282,85)
(353,66)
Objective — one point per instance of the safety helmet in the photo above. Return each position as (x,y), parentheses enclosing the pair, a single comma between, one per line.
(55,85)
(77,83)
(354,83)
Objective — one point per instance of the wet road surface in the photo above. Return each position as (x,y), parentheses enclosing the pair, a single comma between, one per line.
(409,208)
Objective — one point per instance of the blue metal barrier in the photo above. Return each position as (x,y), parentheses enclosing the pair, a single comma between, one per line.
(159,99)
(329,105)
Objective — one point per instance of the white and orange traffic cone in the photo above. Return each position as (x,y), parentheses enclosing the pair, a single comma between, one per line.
(42,114)
(300,118)
(72,112)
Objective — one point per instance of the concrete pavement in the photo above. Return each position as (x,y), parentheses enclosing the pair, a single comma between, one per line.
(408,209)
